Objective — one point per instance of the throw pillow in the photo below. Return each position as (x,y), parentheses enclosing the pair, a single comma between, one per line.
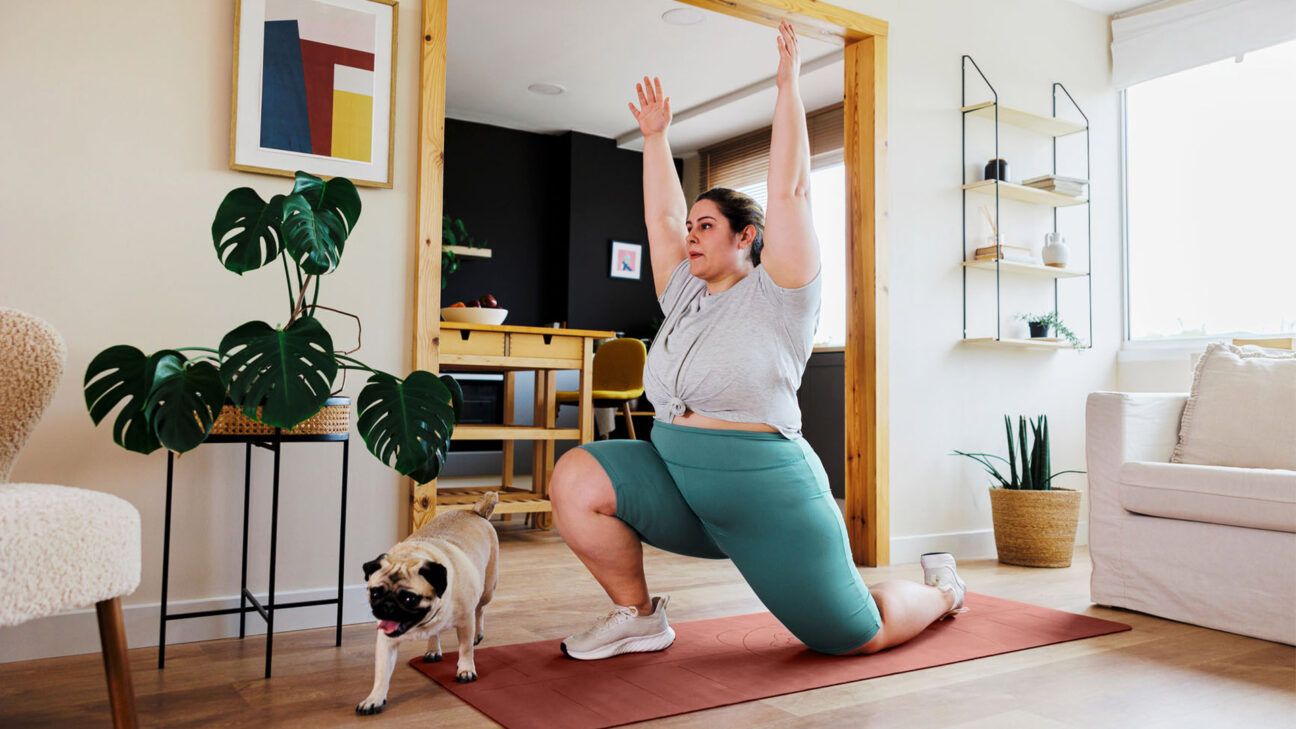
(1242,410)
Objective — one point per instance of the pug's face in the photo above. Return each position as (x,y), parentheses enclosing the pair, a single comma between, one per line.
(404,593)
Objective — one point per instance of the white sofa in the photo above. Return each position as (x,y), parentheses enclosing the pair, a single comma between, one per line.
(1207,545)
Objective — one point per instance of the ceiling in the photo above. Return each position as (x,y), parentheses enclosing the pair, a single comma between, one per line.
(1110,7)
(598,49)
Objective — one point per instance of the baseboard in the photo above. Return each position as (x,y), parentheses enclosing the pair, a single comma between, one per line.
(975,544)
(77,632)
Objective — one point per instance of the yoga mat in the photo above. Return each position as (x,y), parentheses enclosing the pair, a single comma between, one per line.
(725,661)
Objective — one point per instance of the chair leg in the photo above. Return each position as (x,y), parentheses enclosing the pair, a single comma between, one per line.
(625,408)
(112,637)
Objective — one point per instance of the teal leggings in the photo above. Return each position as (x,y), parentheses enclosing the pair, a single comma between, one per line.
(756,498)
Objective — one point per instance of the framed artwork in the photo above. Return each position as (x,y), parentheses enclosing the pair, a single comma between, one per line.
(627,260)
(315,88)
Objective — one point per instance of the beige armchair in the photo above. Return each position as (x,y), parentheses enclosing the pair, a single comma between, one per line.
(61,548)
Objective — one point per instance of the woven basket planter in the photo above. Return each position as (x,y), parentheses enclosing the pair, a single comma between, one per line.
(1035,528)
(335,417)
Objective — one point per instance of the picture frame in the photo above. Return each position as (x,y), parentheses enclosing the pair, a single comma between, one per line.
(314,88)
(627,260)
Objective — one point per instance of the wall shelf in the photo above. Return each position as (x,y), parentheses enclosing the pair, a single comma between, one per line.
(1051,127)
(1046,125)
(468,252)
(1022,193)
(1030,269)
(1049,343)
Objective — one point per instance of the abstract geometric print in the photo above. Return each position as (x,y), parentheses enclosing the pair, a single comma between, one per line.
(317,91)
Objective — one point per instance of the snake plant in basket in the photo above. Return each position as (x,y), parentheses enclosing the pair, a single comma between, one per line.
(277,375)
(1034,522)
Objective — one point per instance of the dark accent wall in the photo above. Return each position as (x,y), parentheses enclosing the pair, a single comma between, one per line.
(822,398)
(549,207)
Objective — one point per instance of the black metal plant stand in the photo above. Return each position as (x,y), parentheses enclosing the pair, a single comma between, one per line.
(247,601)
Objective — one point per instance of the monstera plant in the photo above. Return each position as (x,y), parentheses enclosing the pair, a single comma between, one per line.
(279,375)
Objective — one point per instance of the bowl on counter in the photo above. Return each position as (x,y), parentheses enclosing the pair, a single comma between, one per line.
(474,315)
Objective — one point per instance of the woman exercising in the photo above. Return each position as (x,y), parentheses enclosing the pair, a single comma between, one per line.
(727,474)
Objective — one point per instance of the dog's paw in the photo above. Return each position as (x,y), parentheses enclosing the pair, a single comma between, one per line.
(431,657)
(466,676)
(480,638)
(370,706)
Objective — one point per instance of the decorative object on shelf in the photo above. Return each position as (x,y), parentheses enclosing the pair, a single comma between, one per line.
(1040,324)
(1034,522)
(315,87)
(627,260)
(1004,252)
(455,242)
(280,376)
(1073,186)
(1055,252)
(996,169)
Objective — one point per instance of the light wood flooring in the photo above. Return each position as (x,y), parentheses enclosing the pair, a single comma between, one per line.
(1161,674)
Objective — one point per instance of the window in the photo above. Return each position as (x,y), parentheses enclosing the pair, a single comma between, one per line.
(1210,158)
(743,163)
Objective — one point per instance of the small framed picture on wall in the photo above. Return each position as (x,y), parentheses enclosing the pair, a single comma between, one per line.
(627,260)
(314,88)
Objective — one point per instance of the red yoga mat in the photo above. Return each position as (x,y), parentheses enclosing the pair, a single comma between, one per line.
(727,661)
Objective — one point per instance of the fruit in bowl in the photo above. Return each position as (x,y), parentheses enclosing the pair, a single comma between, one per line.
(477,311)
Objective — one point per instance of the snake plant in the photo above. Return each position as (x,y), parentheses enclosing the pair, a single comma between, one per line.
(283,374)
(1035,471)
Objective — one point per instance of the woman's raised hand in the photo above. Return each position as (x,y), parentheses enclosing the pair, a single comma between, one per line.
(789,68)
(654,112)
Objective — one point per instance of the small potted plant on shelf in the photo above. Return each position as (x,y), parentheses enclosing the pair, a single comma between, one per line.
(1041,324)
(281,376)
(1034,521)
(453,233)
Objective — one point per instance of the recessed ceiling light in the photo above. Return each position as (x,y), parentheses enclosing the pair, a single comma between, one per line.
(683,16)
(546,89)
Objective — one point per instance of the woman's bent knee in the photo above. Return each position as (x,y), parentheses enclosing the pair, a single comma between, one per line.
(580,483)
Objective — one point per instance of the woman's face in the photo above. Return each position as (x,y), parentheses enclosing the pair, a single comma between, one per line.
(714,248)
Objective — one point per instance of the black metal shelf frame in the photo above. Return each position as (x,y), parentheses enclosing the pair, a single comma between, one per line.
(998,221)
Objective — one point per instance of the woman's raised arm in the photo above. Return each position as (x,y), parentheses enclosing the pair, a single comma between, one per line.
(665,209)
(791,252)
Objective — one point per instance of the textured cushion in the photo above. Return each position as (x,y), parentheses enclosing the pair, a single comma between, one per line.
(63,548)
(1257,498)
(1242,410)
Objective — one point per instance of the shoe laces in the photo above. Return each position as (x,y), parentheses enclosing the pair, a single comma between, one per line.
(615,616)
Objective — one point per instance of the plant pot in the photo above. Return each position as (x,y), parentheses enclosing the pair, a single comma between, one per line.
(334,417)
(1035,528)
(1037,330)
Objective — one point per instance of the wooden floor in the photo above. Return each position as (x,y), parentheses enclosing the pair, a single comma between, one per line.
(1161,674)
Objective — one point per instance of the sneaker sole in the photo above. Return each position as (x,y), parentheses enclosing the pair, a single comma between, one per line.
(635,644)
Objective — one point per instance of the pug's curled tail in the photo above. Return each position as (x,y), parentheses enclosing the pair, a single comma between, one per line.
(485,506)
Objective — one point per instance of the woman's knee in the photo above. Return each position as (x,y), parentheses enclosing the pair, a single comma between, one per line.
(580,483)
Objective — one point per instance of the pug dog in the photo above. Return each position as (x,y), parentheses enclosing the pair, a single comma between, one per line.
(441,576)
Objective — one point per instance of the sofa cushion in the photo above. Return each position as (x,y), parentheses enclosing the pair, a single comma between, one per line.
(1247,497)
(1242,410)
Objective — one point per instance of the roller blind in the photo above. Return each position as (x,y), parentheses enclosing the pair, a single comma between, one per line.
(743,162)
(1176,35)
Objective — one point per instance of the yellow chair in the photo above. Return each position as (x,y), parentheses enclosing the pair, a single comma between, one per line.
(618,377)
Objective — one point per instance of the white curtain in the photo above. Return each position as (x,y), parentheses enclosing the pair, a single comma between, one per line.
(1168,37)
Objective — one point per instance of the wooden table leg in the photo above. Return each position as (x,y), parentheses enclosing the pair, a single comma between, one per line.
(544,519)
(506,475)
(587,393)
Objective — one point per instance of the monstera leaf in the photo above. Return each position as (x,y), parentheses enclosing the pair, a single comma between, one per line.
(407,423)
(286,371)
(246,230)
(123,375)
(317,218)
(184,402)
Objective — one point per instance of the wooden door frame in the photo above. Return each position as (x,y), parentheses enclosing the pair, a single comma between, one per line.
(867,347)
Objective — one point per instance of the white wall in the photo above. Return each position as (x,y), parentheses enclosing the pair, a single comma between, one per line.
(116,163)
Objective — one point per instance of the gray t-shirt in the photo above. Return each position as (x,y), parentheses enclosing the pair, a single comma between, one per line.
(737,355)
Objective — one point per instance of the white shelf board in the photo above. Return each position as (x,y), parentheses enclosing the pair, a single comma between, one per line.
(1047,125)
(1022,193)
(1031,269)
(468,252)
(1050,343)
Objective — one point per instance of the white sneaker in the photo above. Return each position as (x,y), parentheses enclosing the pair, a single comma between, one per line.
(623,630)
(940,571)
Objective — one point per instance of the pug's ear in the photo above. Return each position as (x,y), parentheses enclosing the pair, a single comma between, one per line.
(435,574)
(374,566)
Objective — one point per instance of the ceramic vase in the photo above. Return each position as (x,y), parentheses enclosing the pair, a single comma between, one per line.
(1055,253)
